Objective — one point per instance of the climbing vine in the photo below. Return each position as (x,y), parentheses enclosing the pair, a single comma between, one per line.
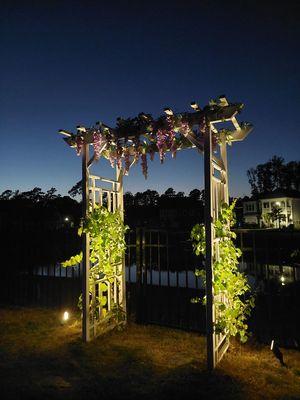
(233,301)
(106,232)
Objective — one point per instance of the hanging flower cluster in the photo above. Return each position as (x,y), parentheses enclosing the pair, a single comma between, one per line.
(123,145)
(98,142)
(79,144)
(162,143)
(162,135)
(172,136)
(127,160)
(134,138)
(144,165)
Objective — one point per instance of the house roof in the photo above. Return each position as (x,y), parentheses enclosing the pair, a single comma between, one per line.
(278,194)
(273,195)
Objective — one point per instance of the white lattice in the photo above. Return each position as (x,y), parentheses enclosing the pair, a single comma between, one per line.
(107,291)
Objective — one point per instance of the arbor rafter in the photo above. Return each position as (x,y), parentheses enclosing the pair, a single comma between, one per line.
(133,138)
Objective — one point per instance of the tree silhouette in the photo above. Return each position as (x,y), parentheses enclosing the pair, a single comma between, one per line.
(76,190)
(276,215)
(274,175)
(6,195)
(128,199)
(170,193)
(195,194)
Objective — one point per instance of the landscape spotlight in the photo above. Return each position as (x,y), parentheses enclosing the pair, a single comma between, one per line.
(168,111)
(143,115)
(81,128)
(66,316)
(282,279)
(223,100)
(67,219)
(195,106)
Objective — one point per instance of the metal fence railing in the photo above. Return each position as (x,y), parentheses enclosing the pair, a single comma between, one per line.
(161,282)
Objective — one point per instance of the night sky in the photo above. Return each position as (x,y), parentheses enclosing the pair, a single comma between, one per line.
(68,62)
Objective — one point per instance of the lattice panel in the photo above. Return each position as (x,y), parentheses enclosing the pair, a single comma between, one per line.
(219,195)
(108,291)
(102,195)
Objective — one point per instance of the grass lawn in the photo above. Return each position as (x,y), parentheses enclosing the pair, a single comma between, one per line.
(42,359)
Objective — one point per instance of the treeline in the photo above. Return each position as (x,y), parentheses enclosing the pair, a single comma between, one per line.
(35,206)
(40,228)
(153,198)
(169,210)
(65,204)
(275,175)
(37,228)
(148,197)
(35,195)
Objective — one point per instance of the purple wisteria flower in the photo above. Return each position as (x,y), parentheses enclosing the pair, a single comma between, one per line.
(144,164)
(98,141)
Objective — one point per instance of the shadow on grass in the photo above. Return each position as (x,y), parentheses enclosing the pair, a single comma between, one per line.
(84,371)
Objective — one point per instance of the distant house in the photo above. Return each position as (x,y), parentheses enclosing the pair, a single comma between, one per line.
(273,210)
(251,212)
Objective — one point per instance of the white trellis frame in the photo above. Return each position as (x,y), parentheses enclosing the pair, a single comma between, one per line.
(100,191)
(216,192)
(95,191)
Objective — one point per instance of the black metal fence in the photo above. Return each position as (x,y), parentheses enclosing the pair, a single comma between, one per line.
(161,282)
(161,272)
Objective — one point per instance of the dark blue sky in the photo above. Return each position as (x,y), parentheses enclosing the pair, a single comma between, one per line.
(70,62)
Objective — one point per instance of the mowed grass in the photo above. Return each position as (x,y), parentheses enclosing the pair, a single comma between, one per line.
(42,359)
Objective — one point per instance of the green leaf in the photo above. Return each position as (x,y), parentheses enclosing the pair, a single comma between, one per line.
(231,308)
(103,301)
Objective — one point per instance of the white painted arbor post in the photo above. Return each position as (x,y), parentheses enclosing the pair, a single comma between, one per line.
(120,203)
(208,171)
(216,192)
(85,248)
(224,172)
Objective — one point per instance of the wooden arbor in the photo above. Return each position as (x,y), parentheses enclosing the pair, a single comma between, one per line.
(132,139)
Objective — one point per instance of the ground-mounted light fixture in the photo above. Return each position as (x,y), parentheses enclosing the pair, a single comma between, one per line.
(81,128)
(168,111)
(277,353)
(282,280)
(223,100)
(195,106)
(65,317)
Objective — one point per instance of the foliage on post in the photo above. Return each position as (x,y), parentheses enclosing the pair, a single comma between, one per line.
(106,232)
(231,315)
